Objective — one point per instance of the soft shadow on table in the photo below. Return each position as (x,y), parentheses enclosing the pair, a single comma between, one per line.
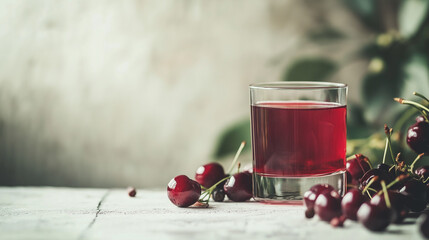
(396,231)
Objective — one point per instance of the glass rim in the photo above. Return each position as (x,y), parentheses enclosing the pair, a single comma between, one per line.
(297,85)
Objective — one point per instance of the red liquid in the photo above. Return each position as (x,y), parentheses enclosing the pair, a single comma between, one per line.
(297,139)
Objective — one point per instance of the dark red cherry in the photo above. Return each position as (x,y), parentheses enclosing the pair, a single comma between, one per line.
(418,137)
(398,185)
(422,172)
(238,188)
(209,174)
(368,176)
(357,166)
(423,223)
(351,203)
(384,167)
(388,170)
(374,217)
(311,195)
(328,205)
(397,202)
(338,221)
(416,195)
(309,213)
(131,191)
(218,193)
(183,191)
(420,118)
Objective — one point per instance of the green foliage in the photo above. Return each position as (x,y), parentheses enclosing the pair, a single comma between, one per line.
(412,14)
(365,11)
(231,138)
(416,76)
(310,69)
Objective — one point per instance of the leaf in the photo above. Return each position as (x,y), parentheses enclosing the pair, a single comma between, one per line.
(310,69)
(378,92)
(416,77)
(230,139)
(366,10)
(412,13)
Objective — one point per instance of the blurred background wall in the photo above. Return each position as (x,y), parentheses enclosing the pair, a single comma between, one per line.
(117,93)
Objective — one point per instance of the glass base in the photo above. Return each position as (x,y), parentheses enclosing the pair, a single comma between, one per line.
(290,190)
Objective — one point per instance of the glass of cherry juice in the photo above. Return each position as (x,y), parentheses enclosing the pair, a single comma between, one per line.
(298,138)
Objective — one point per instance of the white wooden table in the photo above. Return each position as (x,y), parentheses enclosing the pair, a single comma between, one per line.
(68,213)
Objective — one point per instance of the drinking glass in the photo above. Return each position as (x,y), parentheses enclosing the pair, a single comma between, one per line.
(298,138)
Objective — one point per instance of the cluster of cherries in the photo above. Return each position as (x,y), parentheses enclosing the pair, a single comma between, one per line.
(211,182)
(377,197)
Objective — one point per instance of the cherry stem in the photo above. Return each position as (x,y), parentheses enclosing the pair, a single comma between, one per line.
(209,191)
(369,184)
(397,157)
(415,161)
(398,179)
(237,154)
(424,110)
(385,151)
(369,195)
(388,132)
(420,95)
(386,194)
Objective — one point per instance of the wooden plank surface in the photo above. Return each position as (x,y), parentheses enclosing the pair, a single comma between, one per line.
(61,213)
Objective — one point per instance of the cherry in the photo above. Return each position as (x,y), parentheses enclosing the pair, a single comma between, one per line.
(423,223)
(351,203)
(397,202)
(422,172)
(387,171)
(311,195)
(398,185)
(209,174)
(357,166)
(383,167)
(328,205)
(418,137)
(368,176)
(374,217)
(338,221)
(309,213)
(218,193)
(238,188)
(416,195)
(183,191)
(131,192)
